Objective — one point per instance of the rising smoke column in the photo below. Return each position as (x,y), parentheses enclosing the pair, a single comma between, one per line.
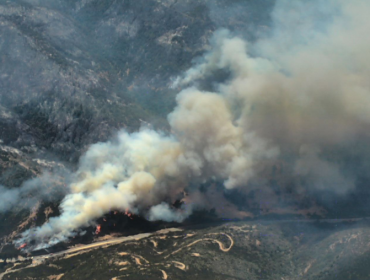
(295,96)
(142,169)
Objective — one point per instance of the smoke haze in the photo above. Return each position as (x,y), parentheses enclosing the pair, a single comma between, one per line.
(298,96)
(47,187)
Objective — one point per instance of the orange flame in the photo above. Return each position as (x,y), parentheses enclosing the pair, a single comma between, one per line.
(22,246)
(98,229)
(128,214)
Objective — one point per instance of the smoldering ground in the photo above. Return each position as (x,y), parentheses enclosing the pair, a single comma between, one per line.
(288,123)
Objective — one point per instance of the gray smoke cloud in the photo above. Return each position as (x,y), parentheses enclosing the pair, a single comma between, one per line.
(294,96)
(9,197)
(321,174)
(165,213)
(47,187)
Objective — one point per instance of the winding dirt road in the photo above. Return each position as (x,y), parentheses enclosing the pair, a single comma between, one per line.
(37,260)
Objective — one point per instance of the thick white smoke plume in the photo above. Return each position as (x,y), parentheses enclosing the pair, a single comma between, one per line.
(289,97)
